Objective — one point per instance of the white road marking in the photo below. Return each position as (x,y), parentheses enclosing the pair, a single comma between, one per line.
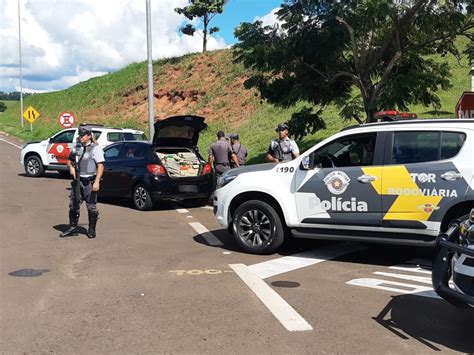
(421,279)
(210,238)
(286,314)
(13,144)
(411,269)
(208,207)
(289,263)
(182,210)
(393,286)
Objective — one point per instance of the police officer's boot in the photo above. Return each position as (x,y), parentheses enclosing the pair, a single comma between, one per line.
(93,217)
(72,230)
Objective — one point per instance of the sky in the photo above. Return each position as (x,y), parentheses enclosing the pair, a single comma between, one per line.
(64,42)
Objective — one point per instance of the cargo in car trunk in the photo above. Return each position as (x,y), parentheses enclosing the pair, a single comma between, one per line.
(180,162)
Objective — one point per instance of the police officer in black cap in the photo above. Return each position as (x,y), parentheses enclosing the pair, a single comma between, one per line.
(283,148)
(86,159)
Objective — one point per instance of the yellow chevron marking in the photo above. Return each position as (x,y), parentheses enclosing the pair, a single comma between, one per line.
(405,207)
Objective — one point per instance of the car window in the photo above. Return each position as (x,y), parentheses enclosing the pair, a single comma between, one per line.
(419,147)
(135,151)
(140,137)
(96,134)
(451,143)
(114,136)
(63,137)
(112,152)
(356,150)
(125,136)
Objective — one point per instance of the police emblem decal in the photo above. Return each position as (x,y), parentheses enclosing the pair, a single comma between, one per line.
(60,148)
(337,182)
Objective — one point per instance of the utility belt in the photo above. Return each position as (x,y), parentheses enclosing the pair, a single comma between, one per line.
(86,180)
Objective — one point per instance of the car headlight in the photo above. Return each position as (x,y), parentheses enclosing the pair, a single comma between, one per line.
(224,180)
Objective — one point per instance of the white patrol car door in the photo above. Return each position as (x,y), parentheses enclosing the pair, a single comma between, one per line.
(339,190)
(59,147)
(424,176)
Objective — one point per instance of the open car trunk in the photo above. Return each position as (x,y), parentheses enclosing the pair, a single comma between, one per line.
(180,162)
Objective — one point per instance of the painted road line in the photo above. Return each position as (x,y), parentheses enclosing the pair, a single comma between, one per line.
(182,210)
(421,279)
(413,268)
(210,238)
(208,207)
(290,263)
(13,144)
(393,286)
(286,314)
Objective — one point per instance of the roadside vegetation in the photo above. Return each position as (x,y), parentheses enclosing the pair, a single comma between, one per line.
(210,85)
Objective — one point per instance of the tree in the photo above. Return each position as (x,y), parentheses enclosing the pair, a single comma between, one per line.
(362,55)
(205,10)
(3,107)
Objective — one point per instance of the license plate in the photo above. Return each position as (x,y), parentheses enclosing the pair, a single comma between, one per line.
(188,188)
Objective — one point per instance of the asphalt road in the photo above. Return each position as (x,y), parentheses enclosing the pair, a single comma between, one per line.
(150,283)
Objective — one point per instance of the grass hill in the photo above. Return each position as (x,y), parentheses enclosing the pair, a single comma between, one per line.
(208,85)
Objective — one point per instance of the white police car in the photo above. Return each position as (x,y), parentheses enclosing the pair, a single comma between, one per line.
(396,182)
(53,153)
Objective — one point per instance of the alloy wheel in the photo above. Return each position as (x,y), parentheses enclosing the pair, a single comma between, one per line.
(255,228)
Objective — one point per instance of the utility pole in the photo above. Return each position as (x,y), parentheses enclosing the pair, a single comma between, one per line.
(21,73)
(151,108)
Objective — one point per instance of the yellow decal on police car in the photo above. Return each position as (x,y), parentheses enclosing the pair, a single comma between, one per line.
(407,205)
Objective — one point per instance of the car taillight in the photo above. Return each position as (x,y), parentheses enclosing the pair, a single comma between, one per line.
(207,169)
(156,169)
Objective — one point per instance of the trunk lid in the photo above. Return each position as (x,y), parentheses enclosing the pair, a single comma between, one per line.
(178,131)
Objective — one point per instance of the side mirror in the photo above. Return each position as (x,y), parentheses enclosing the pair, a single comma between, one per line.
(307,163)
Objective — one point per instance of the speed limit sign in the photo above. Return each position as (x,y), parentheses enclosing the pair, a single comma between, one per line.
(67,119)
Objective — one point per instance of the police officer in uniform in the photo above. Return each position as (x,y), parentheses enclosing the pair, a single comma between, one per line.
(239,149)
(87,158)
(220,154)
(283,148)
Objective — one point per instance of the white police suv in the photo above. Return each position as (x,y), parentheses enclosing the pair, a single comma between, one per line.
(396,182)
(53,153)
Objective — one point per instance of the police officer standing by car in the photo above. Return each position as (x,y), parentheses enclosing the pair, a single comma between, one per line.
(86,160)
(283,148)
(239,149)
(220,154)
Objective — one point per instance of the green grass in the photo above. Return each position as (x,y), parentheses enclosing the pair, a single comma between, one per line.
(106,92)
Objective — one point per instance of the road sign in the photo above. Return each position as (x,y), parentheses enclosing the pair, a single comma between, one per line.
(465,106)
(31,114)
(67,119)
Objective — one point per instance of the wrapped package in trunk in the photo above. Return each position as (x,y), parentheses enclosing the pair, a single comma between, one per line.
(179,162)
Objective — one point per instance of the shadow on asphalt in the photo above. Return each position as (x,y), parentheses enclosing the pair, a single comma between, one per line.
(436,322)
(48,175)
(63,227)
(370,254)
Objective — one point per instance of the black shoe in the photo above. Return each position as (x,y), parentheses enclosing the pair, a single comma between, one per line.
(71,232)
(93,217)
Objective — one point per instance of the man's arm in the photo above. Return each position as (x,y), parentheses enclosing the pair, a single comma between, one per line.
(98,176)
(271,158)
(72,171)
(295,151)
(234,159)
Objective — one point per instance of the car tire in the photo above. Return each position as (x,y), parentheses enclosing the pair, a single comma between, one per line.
(257,228)
(34,166)
(141,198)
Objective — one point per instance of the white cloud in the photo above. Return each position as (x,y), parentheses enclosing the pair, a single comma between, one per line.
(67,41)
(269,19)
